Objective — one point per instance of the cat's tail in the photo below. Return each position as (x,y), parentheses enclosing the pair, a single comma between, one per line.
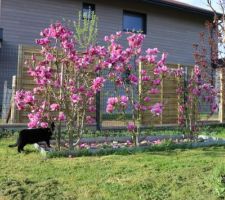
(13,145)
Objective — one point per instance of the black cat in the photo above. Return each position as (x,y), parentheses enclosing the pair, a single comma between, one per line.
(35,135)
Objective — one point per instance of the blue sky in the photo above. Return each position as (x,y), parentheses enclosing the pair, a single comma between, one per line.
(201,3)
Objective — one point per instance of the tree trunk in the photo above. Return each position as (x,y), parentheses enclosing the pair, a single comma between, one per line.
(59,137)
(70,133)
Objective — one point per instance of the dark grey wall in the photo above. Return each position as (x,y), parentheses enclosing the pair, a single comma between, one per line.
(169,30)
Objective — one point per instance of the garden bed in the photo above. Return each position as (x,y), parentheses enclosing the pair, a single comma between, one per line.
(123,146)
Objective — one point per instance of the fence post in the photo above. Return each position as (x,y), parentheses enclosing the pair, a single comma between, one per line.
(222,95)
(98,112)
(185,93)
(12,106)
(4,101)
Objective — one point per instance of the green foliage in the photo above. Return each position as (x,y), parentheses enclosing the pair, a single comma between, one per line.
(116,116)
(85,31)
(7,133)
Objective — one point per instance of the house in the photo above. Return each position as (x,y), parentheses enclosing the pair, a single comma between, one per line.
(169,25)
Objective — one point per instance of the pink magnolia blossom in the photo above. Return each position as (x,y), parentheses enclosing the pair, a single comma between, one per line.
(156,109)
(75,98)
(152,51)
(157,142)
(23,99)
(44,124)
(91,108)
(124,101)
(54,107)
(145,78)
(147,99)
(32,124)
(50,57)
(157,81)
(110,108)
(214,107)
(196,70)
(43,41)
(135,40)
(131,126)
(90,119)
(61,116)
(29,97)
(153,91)
(98,83)
(133,79)
(112,100)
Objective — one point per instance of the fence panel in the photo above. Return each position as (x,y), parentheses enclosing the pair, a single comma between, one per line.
(167,96)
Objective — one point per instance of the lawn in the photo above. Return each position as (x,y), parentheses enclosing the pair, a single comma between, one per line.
(178,174)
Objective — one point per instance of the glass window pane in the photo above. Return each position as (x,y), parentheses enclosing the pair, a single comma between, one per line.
(88,10)
(133,22)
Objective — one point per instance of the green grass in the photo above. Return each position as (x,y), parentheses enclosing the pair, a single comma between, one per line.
(179,174)
(216,131)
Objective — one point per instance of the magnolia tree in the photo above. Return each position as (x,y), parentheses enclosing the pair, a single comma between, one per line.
(200,82)
(65,83)
(195,93)
(199,89)
(134,85)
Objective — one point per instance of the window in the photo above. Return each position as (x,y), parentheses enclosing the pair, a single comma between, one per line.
(88,10)
(134,22)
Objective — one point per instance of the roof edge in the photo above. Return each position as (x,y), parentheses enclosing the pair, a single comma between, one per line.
(181,6)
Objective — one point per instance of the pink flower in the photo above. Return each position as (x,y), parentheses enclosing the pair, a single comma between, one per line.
(157,142)
(196,70)
(123,101)
(153,91)
(143,72)
(44,124)
(76,98)
(156,109)
(43,41)
(156,81)
(29,98)
(145,78)
(110,108)
(214,107)
(61,116)
(147,99)
(54,107)
(90,119)
(129,142)
(133,79)
(135,40)
(83,145)
(23,99)
(112,100)
(131,126)
(152,51)
(164,68)
(91,109)
(50,57)
(32,124)
(98,83)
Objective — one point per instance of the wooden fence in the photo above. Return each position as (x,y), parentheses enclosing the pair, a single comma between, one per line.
(167,93)
(168,96)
